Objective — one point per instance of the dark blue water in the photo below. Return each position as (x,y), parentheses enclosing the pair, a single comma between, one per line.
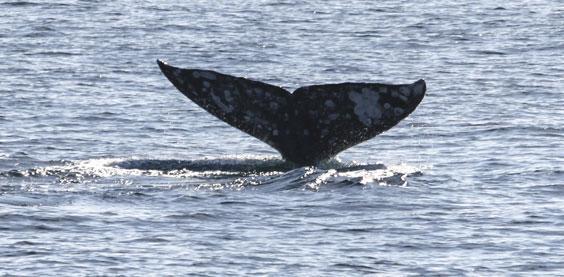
(105,169)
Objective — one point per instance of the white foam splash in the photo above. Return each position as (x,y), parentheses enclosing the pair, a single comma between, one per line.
(322,179)
(381,177)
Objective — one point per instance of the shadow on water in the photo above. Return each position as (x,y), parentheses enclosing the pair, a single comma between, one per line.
(241,165)
(249,165)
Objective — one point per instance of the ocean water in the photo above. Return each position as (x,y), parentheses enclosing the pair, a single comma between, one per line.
(105,169)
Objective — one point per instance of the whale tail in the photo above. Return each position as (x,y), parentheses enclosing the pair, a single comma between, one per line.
(312,124)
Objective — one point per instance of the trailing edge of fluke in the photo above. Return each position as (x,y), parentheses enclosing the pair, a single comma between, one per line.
(313,123)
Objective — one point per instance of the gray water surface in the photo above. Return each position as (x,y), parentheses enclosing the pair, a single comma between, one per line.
(105,169)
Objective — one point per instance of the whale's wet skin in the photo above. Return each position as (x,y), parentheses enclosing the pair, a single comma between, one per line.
(106,170)
(310,125)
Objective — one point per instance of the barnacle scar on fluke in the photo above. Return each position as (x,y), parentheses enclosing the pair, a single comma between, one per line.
(313,123)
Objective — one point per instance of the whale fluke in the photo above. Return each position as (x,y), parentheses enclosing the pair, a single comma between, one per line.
(312,124)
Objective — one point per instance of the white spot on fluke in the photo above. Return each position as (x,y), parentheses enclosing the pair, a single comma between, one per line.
(367,107)
(404,91)
(399,95)
(228,96)
(225,108)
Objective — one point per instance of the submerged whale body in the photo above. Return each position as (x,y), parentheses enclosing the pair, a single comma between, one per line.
(313,123)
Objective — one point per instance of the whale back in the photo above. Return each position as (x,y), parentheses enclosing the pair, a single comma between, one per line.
(312,124)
